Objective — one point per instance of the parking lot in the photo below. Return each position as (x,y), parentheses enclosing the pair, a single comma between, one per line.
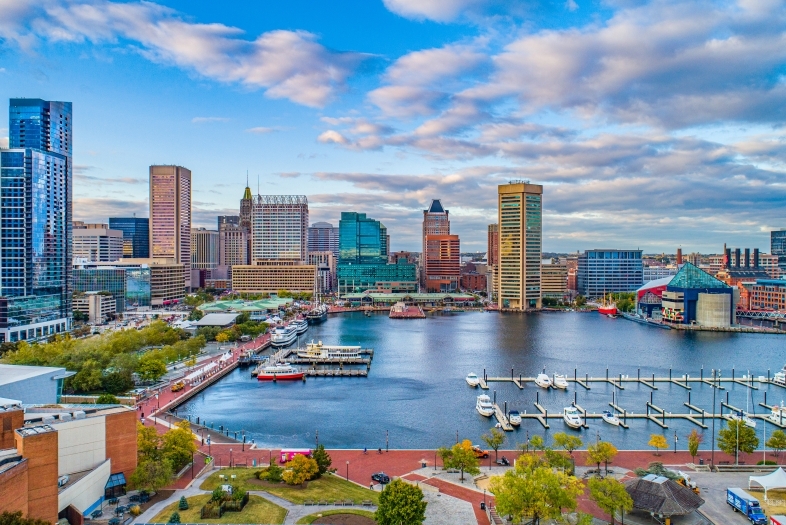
(713,489)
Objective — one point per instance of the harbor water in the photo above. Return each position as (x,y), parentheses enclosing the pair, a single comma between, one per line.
(415,395)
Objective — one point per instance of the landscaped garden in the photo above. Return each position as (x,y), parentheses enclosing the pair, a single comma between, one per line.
(258,510)
(347,516)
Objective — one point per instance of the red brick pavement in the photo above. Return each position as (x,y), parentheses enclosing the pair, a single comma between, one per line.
(471,496)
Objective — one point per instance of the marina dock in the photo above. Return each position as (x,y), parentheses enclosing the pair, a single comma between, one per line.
(289,355)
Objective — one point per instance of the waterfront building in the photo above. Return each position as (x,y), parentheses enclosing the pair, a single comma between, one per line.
(520,220)
(778,247)
(363,258)
(97,306)
(473,281)
(436,223)
(32,385)
(604,271)
(279,228)
(323,237)
(204,249)
(649,298)
(270,276)
(738,268)
(492,259)
(442,267)
(62,461)
(136,235)
(232,245)
(694,296)
(554,280)
(326,270)
(96,242)
(258,310)
(36,234)
(170,216)
(128,285)
(652,273)
(768,294)
(388,299)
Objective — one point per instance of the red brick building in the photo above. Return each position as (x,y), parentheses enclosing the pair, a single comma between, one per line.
(442,263)
(473,281)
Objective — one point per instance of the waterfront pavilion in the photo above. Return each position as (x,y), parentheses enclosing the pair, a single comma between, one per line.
(258,310)
(420,299)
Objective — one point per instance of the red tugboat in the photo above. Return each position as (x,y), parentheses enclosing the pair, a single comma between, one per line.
(608,307)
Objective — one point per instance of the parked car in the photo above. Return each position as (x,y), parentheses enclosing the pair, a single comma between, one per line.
(479,452)
(380,477)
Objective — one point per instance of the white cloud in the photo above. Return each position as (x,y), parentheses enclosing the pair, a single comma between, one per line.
(332,136)
(206,120)
(261,130)
(437,10)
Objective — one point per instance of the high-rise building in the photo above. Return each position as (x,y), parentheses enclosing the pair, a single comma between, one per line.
(170,215)
(246,214)
(204,249)
(228,219)
(520,222)
(605,271)
(279,227)
(363,255)
(97,242)
(232,244)
(492,260)
(36,208)
(136,236)
(440,258)
(554,280)
(323,237)
(778,247)
(325,263)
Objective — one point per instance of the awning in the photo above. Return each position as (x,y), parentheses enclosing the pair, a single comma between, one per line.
(200,372)
(115,480)
(226,357)
(775,480)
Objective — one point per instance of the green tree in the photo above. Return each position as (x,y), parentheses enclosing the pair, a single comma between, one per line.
(537,442)
(183,505)
(174,518)
(151,367)
(323,459)
(148,443)
(117,382)
(777,442)
(461,457)
(152,475)
(567,442)
(223,337)
(15,518)
(534,490)
(300,469)
(401,503)
(178,445)
(737,436)
(658,442)
(610,495)
(696,438)
(80,317)
(195,315)
(218,494)
(494,439)
(107,399)
(601,452)
(580,301)
(88,378)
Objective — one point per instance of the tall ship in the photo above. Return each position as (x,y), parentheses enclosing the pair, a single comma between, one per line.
(280,372)
(317,351)
(607,306)
(283,336)
(318,314)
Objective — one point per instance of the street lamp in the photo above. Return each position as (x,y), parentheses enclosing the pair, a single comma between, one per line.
(230,458)
(675,441)
(347,470)
(387,449)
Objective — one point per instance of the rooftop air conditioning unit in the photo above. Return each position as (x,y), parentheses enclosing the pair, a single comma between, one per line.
(65,416)
(48,420)
(79,414)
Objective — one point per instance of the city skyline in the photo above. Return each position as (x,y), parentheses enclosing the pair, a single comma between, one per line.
(424,101)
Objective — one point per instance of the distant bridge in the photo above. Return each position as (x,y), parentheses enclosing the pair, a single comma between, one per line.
(761,314)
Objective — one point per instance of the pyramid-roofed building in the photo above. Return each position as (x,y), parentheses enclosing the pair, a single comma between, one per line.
(662,496)
(695,297)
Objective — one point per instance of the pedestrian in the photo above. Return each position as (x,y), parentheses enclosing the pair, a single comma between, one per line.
(365,450)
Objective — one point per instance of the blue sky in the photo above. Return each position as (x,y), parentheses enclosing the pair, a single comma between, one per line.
(651,124)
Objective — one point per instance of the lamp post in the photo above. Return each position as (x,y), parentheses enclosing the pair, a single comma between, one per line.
(675,441)
(347,470)
(435,461)
(269,457)
(714,389)
(387,442)
(230,458)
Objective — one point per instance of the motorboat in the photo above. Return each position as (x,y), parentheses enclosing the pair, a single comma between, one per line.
(472,379)
(301,326)
(572,417)
(514,417)
(780,377)
(484,406)
(778,414)
(742,416)
(543,381)
(560,381)
(280,372)
(318,351)
(283,336)
(609,417)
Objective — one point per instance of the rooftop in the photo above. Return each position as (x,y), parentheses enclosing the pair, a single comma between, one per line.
(13,373)
(239,305)
(436,207)
(692,277)
(216,320)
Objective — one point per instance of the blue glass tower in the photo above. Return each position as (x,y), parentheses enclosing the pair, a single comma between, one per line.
(136,236)
(36,214)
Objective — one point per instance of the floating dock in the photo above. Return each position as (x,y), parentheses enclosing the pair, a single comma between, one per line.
(402,311)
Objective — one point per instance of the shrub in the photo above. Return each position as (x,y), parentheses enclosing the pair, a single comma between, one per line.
(136,510)
(273,473)
(183,505)
(174,518)
(218,494)
(106,399)
(767,462)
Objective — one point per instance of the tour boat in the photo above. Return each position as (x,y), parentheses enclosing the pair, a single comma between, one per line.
(514,417)
(572,417)
(610,418)
(543,381)
(472,379)
(780,377)
(778,414)
(301,326)
(317,351)
(280,372)
(318,314)
(484,406)
(607,307)
(283,336)
(560,381)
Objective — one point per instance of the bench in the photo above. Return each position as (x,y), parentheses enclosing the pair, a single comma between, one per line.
(308,502)
(368,503)
(323,502)
(723,462)
(480,477)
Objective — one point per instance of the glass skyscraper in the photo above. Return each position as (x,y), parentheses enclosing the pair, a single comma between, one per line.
(36,213)
(130,286)
(136,236)
(778,246)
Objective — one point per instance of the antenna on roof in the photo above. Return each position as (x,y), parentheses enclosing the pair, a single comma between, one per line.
(246,178)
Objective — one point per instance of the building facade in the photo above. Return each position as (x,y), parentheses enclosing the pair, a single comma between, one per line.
(554,280)
(36,234)
(270,276)
(520,212)
(245,218)
(279,228)
(768,294)
(136,236)
(436,221)
(170,216)
(204,249)
(694,296)
(232,245)
(326,270)
(97,306)
(605,271)
(323,237)
(129,285)
(778,247)
(652,273)
(97,242)
(442,269)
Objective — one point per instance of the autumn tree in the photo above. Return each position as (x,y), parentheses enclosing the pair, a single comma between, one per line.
(461,457)
(300,469)
(777,442)
(567,442)
(737,436)
(178,445)
(695,438)
(658,442)
(601,452)
(494,439)
(610,495)
(400,503)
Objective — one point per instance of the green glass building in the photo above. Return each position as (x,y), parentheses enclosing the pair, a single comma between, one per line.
(363,258)
(129,286)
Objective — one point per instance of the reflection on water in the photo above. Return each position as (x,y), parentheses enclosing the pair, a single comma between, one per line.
(416,389)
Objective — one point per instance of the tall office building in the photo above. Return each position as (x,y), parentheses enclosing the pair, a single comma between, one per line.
(605,271)
(323,237)
(204,249)
(436,222)
(442,256)
(279,227)
(36,207)
(520,219)
(170,215)
(96,242)
(136,236)
(246,213)
(778,247)
(232,245)
(492,259)
(228,219)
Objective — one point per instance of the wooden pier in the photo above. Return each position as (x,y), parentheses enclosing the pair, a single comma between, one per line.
(502,418)
(311,372)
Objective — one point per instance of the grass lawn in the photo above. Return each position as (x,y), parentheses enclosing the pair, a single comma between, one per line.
(307,520)
(326,488)
(258,510)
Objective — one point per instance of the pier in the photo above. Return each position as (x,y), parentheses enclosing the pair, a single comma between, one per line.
(289,355)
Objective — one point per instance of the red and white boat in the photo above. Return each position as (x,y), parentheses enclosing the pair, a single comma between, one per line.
(282,372)
(607,307)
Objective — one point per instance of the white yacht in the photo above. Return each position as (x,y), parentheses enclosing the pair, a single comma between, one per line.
(543,381)
(514,417)
(301,326)
(742,416)
(610,418)
(472,379)
(560,381)
(484,406)
(283,336)
(778,414)
(572,417)
(780,377)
